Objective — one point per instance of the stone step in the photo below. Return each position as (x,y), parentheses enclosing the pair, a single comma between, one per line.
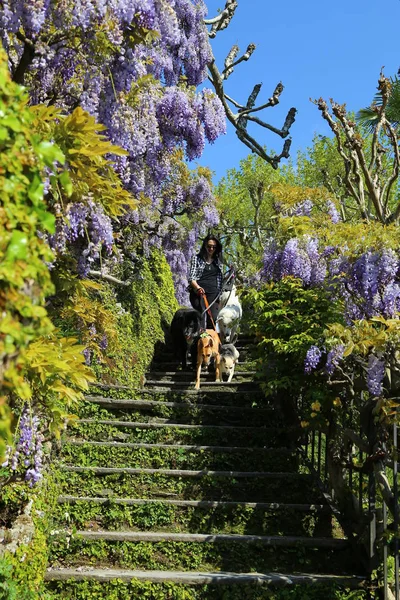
(166,423)
(189,373)
(194,516)
(171,458)
(221,392)
(199,578)
(273,506)
(192,447)
(70,550)
(165,364)
(129,403)
(189,377)
(268,540)
(217,386)
(186,472)
(158,485)
(181,433)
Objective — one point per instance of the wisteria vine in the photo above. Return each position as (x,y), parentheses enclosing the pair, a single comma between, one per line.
(26,457)
(366,283)
(137,69)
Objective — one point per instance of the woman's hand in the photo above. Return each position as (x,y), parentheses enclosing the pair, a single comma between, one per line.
(200,291)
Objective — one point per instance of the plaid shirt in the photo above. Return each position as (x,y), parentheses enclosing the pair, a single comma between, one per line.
(196,269)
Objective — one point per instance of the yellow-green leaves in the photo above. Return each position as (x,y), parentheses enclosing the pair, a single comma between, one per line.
(34,363)
(89,168)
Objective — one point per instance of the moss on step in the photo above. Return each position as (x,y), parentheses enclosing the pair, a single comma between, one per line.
(164,517)
(203,488)
(237,436)
(170,591)
(175,458)
(192,556)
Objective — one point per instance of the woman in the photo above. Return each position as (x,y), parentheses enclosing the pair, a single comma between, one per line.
(205,277)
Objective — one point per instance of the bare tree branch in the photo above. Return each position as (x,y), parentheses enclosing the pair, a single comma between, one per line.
(110,278)
(241,118)
(369,181)
(229,66)
(222,20)
(352,171)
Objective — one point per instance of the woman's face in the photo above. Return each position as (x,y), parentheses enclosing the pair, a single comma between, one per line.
(211,247)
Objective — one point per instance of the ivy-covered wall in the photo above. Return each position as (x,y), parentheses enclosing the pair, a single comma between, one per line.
(134,318)
(140,315)
(24,551)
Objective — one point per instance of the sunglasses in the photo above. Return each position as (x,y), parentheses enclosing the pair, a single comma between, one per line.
(210,246)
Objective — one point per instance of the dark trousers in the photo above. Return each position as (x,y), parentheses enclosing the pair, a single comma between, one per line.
(197,303)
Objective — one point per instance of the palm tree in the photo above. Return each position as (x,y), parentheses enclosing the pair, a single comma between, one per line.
(368,117)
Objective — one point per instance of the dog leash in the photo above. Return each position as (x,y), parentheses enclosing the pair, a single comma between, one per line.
(230,276)
(208,311)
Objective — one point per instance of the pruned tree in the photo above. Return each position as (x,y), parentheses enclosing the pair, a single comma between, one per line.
(245,113)
(371,163)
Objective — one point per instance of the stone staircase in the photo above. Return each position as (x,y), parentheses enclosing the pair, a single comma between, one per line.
(201,491)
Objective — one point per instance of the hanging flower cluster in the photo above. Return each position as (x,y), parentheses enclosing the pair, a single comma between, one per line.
(27,455)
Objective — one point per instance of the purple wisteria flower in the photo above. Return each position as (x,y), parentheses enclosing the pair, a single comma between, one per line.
(28,452)
(295,261)
(376,372)
(302,209)
(334,357)
(312,359)
(333,212)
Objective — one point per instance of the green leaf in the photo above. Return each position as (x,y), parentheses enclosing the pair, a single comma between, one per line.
(47,220)
(35,190)
(12,122)
(18,246)
(50,153)
(66,182)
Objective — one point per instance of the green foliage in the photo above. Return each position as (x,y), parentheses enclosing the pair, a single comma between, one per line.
(24,277)
(172,591)
(140,316)
(87,150)
(321,166)
(22,572)
(26,330)
(286,319)
(368,117)
(245,202)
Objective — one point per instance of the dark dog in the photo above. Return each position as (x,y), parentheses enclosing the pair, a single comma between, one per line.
(185,328)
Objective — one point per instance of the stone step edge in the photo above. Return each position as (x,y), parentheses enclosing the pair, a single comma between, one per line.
(200,578)
(238,373)
(152,424)
(175,365)
(130,402)
(185,472)
(320,508)
(289,541)
(193,392)
(217,384)
(192,447)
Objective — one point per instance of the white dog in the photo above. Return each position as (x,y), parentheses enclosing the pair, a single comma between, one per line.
(228,319)
(229,357)
(226,295)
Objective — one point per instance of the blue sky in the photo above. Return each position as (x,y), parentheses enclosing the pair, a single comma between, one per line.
(334,50)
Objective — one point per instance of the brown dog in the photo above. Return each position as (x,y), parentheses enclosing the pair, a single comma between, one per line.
(207,347)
